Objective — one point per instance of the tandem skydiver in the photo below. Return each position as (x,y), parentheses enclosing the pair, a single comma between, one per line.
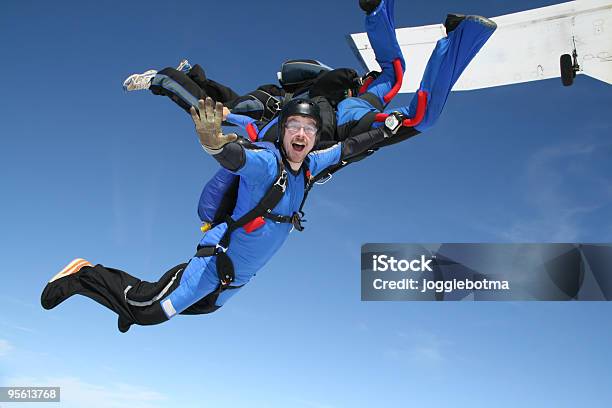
(304,78)
(272,183)
(274,178)
(359,103)
(465,36)
(333,90)
(368,110)
(186,84)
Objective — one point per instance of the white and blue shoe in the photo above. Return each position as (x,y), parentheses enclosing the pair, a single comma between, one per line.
(137,82)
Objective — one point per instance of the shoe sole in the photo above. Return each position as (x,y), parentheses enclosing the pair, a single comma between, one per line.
(72,268)
(482,20)
(128,84)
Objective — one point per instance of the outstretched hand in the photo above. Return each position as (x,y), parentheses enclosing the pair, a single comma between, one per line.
(208,124)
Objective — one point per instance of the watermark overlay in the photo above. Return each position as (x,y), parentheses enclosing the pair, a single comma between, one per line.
(401,272)
(29,394)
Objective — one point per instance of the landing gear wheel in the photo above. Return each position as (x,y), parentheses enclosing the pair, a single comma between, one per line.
(567,70)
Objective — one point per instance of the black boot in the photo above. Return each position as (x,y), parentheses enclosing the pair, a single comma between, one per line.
(452,21)
(123,324)
(369,5)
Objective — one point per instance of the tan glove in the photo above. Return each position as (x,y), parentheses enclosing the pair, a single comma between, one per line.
(208,125)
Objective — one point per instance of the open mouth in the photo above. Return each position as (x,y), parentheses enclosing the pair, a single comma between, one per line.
(298,147)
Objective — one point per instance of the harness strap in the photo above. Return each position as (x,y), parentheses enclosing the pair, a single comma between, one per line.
(278,218)
(373,100)
(271,104)
(265,206)
(206,251)
(225,267)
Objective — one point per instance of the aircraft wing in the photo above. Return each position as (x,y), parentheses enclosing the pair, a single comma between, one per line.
(525,47)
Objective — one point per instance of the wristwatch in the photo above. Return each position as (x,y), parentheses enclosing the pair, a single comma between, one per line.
(393,122)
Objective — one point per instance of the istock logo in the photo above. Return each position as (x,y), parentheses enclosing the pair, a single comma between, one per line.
(383,263)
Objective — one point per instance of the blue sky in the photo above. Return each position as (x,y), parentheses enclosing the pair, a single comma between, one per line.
(88,171)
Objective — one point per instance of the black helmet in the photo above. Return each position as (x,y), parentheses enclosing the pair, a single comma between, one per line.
(301,107)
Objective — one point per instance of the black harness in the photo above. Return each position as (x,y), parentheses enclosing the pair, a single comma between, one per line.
(225,267)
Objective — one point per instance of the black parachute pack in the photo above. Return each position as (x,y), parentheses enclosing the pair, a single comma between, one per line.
(299,73)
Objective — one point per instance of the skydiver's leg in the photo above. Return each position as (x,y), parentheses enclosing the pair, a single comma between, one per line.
(209,304)
(380,27)
(217,91)
(134,300)
(355,115)
(198,280)
(185,89)
(448,60)
(186,289)
(179,87)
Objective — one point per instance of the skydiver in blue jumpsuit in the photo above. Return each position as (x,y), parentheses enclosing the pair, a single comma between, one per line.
(203,284)
(198,286)
(465,37)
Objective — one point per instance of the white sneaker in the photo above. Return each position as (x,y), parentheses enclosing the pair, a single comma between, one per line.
(184,66)
(72,268)
(137,82)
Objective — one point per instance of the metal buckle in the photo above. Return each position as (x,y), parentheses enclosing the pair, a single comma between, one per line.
(220,249)
(325,179)
(296,221)
(282,181)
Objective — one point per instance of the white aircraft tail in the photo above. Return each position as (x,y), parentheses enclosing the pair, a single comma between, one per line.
(526,46)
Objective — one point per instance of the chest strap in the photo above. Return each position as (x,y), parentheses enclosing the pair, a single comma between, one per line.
(225,266)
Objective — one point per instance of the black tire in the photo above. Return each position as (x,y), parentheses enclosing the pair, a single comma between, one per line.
(567,70)
(369,5)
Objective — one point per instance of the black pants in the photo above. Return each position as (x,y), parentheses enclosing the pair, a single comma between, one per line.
(261,104)
(135,301)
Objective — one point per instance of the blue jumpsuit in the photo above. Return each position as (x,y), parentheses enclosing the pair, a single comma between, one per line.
(184,288)
(249,252)
(450,57)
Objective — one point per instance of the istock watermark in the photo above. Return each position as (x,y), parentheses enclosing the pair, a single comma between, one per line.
(479,271)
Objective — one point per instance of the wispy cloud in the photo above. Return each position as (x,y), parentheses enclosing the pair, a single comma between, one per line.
(5,347)
(20,328)
(563,185)
(337,209)
(19,302)
(419,346)
(76,393)
(428,354)
(363,326)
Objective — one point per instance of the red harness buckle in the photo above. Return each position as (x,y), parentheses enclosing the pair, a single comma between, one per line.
(252,132)
(254,224)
